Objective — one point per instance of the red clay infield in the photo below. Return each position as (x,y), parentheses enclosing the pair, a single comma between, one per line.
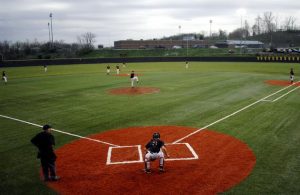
(223,162)
(280,82)
(134,90)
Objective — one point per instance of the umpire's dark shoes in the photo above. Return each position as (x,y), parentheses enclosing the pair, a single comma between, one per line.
(56,178)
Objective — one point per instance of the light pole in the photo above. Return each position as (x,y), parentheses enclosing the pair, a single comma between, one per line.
(49,32)
(241,12)
(179,27)
(51,27)
(210,21)
(187,46)
(242,32)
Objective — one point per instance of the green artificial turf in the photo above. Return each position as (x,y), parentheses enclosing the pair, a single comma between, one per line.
(75,99)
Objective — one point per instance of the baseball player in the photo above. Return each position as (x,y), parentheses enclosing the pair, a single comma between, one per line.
(118,69)
(4,77)
(155,149)
(45,68)
(133,78)
(292,75)
(186,64)
(107,70)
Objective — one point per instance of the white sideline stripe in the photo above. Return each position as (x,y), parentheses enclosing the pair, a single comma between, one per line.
(63,132)
(285,94)
(232,114)
(266,100)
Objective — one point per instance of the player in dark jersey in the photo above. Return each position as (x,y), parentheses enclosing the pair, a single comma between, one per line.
(292,75)
(155,149)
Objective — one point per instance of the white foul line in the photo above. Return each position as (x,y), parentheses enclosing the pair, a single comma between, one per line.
(63,132)
(232,114)
(285,94)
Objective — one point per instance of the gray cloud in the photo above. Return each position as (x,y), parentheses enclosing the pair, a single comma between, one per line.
(121,19)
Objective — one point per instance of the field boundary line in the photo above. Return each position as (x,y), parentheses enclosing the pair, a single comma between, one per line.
(234,113)
(59,131)
(285,94)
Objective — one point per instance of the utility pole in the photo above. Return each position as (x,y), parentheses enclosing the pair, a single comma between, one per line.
(210,22)
(49,32)
(51,28)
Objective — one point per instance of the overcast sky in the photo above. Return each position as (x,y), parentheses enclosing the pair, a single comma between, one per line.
(111,20)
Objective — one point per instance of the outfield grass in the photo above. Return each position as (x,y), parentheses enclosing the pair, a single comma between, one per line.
(75,99)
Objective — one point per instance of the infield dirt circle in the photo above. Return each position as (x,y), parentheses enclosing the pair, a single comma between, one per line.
(133,90)
(223,162)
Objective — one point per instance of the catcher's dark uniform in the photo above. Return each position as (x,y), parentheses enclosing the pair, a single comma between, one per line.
(154,146)
(292,75)
(154,151)
(45,141)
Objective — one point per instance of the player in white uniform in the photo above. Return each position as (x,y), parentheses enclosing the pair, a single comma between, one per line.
(108,70)
(118,69)
(155,149)
(4,77)
(186,64)
(133,78)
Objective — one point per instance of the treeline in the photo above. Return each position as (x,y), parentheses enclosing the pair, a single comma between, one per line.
(47,50)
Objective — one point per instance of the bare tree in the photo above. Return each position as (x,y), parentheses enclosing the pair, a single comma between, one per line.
(236,34)
(246,29)
(257,27)
(269,22)
(289,23)
(87,40)
(222,34)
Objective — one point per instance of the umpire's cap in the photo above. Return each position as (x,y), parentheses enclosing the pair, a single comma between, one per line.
(46,127)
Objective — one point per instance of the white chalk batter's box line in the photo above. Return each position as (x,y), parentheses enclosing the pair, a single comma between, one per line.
(141,159)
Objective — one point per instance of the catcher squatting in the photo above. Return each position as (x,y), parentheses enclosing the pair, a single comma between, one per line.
(155,149)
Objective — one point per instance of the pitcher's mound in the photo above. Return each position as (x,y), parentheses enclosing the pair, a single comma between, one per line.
(134,90)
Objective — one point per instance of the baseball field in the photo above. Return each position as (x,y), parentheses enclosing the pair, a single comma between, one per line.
(230,128)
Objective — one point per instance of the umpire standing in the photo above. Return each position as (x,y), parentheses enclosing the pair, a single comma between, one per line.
(44,141)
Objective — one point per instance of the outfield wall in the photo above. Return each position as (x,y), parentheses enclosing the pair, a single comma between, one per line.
(41,62)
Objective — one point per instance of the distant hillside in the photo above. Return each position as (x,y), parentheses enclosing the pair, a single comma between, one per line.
(279,39)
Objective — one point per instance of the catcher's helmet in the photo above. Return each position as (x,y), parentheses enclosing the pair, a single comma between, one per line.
(156,135)
(46,127)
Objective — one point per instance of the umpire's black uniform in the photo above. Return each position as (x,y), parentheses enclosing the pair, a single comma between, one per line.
(44,141)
